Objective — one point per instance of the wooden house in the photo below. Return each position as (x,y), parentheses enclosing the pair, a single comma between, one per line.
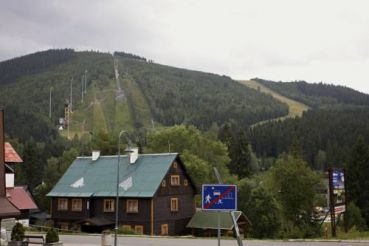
(156,194)
(15,201)
(7,209)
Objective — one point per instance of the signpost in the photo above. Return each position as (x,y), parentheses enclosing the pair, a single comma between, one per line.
(221,197)
(337,196)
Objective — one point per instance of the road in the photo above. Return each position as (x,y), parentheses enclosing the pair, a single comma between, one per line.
(74,240)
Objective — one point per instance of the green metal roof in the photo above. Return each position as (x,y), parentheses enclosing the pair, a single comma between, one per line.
(87,178)
(209,220)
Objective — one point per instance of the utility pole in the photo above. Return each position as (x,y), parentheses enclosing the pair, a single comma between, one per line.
(71,95)
(50,103)
(82,85)
(85,81)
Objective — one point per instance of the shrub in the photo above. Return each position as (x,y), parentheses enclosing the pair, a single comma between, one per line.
(52,236)
(18,232)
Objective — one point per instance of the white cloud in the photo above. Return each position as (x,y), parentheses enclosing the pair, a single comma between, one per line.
(312,40)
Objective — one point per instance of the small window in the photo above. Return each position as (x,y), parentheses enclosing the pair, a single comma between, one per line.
(139,229)
(185,182)
(62,204)
(174,204)
(108,205)
(175,164)
(174,180)
(163,183)
(164,229)
(77,205)
(132,206)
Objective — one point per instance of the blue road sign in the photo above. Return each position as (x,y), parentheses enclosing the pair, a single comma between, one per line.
(219,197)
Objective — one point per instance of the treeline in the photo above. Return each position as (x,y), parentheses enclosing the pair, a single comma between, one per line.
(15,68)
(317,95)
(324,137)
(129,55)
(179,96)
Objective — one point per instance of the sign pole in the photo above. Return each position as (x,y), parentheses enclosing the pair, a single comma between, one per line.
(239,240)
(219,235)
(331,202)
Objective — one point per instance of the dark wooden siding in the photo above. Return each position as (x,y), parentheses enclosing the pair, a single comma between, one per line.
(178,220)
(69,214)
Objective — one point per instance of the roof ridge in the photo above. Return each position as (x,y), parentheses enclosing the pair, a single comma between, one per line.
(109,156)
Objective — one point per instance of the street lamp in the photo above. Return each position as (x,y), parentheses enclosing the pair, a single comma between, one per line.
(117,188)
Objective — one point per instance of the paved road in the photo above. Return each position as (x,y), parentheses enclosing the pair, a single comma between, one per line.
(70,240)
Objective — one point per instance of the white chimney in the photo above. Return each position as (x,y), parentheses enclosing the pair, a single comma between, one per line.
(9,180)
(95,155)
(133,155)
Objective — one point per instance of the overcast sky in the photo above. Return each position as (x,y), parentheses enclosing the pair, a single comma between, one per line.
(322,40)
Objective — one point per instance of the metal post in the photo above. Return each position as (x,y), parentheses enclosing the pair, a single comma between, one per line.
(237,230)
(117,194)
(50,103)
(117,188)
(219,234)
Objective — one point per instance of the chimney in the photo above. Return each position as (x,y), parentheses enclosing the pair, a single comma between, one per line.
(95,155)
(133,155)
(2,154)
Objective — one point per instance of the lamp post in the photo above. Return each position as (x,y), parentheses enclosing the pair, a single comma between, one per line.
(117,187)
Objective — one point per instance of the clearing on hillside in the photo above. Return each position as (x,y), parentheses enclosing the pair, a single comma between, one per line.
(295,108)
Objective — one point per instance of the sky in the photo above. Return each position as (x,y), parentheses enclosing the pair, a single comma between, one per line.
(285,40)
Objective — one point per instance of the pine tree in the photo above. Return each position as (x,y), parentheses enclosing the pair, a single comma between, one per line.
(357,181)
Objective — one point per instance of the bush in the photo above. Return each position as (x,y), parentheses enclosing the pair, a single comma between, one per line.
(52,236)
(18,232)
(355,218)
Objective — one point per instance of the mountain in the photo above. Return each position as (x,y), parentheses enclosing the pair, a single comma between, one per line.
(324,134)
(145,95)
(317,95)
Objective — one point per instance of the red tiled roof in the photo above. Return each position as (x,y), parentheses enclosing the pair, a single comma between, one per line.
(19,197)
(11,156)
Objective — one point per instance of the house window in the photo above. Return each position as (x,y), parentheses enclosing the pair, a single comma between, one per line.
(174,180)
(163,183)
(174,204)
(185,182)
(108,205)
(132,206)
(62,204)
(164,229)
(139,229)
(76,204)
(175,164)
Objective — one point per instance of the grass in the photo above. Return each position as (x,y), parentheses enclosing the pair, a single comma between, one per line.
(352,234)
(295,108)
(100,110)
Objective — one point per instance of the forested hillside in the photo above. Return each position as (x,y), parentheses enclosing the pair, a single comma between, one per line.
(178,96)
(324,137)
(318,95)
(146,94)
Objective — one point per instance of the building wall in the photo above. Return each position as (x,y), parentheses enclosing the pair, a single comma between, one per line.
(178,220)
